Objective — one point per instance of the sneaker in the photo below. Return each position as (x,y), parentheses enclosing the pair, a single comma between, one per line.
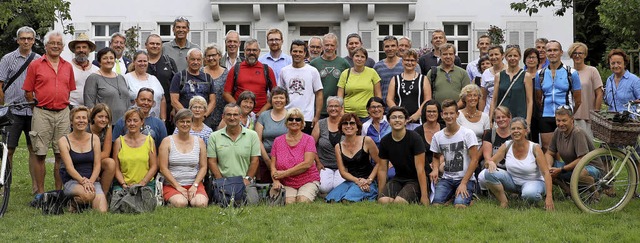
(37,201)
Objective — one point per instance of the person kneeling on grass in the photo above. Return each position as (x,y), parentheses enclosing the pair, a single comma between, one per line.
(353,159)
(183,163)
(407,150)
(292,156)
(80,152)
(526,171)
(456,147)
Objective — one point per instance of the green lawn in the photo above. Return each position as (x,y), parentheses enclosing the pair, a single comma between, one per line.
(484,221)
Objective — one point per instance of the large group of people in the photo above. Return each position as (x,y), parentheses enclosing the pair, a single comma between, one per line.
(408,129)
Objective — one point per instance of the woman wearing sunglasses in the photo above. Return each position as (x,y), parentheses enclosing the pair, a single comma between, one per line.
(292,157)
(353,156)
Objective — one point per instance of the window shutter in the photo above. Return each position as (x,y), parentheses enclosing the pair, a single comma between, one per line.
(416,39)
(514,37)
(529,39)
(143,37)
(262,38)
(196,37)
(366,40)
(212,36)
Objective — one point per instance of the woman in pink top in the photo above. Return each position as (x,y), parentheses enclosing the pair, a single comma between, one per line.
(292,157)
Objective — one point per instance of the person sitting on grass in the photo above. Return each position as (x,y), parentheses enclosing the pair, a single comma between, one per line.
(183,163)
(292,157)
(526,171)
(456,147)
(354,156)
(135,154)
(409,185)
(234,151)
(100,125)
(570,143)
(80,152)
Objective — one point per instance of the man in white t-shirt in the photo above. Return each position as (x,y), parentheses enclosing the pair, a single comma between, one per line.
(456,147)
(303,83)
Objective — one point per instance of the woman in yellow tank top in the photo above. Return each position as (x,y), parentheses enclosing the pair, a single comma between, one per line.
(134,153)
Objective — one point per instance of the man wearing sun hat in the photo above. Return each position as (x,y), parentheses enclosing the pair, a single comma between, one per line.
(81,47)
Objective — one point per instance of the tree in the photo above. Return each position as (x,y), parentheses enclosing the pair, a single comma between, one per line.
(533,6)
(621,20)
(41,15)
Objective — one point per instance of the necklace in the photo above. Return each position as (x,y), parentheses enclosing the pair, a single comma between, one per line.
(402,85)
(117,86)
(472,115)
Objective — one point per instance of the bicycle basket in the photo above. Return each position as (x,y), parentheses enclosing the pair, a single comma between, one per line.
(613,133)
(5,116)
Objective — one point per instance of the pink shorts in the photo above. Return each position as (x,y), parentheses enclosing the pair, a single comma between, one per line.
(169,191)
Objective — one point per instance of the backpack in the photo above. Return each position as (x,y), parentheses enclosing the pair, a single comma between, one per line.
(183,79)
(568,99)
(133,199)
(236,71)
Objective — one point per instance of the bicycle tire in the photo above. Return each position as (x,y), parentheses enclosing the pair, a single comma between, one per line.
(5,189)
(609,193)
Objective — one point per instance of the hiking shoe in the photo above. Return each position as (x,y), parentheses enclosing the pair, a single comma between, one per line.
(37,201)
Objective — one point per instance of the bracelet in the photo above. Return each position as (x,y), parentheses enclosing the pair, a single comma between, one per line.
(562,169)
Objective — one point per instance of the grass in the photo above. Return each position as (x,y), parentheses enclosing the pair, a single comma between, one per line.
(317,222)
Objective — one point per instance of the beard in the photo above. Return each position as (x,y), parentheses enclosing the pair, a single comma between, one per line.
(252,59)
(81,58)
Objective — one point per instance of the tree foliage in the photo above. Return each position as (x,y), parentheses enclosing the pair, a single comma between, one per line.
(533,6)
(621,19)
(41,15)
(131,43)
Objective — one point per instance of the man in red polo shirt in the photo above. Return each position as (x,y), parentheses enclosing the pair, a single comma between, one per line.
(49,80)
(251,76)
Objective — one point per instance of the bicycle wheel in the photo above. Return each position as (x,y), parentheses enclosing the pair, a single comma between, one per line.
(5,189)
(611,189)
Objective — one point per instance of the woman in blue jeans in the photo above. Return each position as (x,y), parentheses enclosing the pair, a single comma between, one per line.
(526,172)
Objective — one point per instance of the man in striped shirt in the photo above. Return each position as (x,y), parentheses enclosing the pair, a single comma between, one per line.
(9,66)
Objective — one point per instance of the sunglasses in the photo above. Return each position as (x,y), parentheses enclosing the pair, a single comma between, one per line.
(349,123)
(565,107)
(296,119)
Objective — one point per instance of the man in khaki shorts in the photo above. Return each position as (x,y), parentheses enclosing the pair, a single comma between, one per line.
(49,80)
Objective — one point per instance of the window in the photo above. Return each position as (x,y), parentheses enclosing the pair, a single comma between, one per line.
(384,30)
(522,33)
(102,33)
(165,31)
(244,30)
(458,35)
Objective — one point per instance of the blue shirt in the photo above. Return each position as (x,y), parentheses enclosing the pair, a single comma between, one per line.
(370,131)
(628,89)
(555,91)
(386,74)
(152,126)
(276,64)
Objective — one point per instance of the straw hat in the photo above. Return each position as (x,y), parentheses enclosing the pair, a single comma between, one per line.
(82,37)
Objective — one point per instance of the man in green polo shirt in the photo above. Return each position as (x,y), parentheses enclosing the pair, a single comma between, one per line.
(450,79)
(234,150)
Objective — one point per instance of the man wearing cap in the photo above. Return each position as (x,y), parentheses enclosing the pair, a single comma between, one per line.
(81,47)
(12,77)
(178,47)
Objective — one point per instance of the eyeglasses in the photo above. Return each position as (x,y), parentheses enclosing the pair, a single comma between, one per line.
(274,40)
(147,89)
(55,43)
(296,119)
(251,50)
(376,107)
(211,56)
(181,19)
(396,117)
(513,46)
(25,38)
(575,53)
(349,123)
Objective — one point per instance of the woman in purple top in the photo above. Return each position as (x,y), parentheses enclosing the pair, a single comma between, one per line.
(292,156)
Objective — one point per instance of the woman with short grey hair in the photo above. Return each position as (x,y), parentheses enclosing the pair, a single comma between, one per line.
(327,135)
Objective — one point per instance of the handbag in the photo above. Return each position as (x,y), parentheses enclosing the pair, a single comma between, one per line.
(133,199)
(229,191)
(270,196)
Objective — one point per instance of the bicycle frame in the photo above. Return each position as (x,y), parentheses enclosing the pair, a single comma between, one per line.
(3,168)
(628,151)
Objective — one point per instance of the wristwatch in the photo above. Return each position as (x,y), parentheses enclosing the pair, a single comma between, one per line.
(250,179)
(195,184)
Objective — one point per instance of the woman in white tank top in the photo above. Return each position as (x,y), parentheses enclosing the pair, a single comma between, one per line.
(527,171)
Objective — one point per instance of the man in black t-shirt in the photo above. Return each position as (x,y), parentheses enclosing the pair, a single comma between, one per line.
(163,67)
(407,150)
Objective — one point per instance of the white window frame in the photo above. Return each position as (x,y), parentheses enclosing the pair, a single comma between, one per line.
(243,38)
(455,39)
(166,38)
(380,45)
(106,38)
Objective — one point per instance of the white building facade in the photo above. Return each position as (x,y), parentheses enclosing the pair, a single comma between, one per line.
(462,20)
